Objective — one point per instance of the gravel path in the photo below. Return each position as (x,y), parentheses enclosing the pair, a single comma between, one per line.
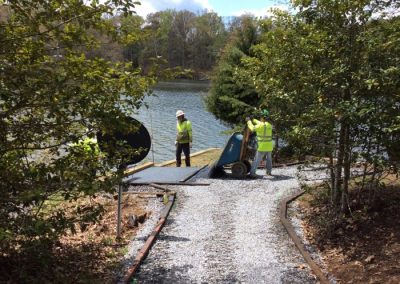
(228,232)
(154,206)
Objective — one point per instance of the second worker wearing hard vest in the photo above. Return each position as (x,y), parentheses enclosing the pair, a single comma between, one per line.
(183,138)
(264,140)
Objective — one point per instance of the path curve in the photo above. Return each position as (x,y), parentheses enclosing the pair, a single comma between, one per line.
(228,232)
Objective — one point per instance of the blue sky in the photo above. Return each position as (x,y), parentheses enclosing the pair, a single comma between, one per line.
(222,7)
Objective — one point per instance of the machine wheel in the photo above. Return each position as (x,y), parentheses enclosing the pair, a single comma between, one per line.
(248,165)
(216,172)
(239,169)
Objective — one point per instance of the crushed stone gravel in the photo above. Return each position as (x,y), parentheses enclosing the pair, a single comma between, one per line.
(228,232)
(155,206)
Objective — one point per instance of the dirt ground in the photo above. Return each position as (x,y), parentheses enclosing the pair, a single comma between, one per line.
(366,247)
(100,252)
(206,158)
(92,255)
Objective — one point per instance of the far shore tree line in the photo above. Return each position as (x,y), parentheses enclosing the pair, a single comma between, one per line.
(191,42)
(188,41)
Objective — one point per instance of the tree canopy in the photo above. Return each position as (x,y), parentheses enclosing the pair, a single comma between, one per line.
(232,98)
(182,39)
(330,76)
(53,94)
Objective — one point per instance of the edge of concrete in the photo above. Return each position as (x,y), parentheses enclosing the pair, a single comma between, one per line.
(167,163)
(139,168)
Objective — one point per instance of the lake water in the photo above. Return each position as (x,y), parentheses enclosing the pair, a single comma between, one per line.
(159,119)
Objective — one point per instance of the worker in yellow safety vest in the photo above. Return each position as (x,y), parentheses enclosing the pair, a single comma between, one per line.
(264,140)
(183,140)
(90,151)
(90,146)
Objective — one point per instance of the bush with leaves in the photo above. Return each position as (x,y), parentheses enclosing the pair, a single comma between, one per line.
(51,97)
(330,75)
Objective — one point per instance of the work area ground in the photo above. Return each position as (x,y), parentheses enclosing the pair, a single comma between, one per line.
(223,230)
(228,230)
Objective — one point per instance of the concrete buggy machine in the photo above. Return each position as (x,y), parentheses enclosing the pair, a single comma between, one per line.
(237,155)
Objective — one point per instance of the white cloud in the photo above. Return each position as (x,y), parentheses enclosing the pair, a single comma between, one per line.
(265,12)
(144,9)
(387,13)
(204,3)
(151,6)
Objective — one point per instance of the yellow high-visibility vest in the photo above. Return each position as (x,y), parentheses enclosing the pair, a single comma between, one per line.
(184,132)
(264,134)
(90,145)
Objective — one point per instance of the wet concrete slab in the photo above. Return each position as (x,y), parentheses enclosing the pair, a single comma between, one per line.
(162,175)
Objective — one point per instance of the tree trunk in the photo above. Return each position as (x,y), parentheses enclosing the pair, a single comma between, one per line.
(374,180)
(332,170)
(339,165)
(365,169)
(276,158)
(346,166)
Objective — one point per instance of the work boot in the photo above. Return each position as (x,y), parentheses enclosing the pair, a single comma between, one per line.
(254,176)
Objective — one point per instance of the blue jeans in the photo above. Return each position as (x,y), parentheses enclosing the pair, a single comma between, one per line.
(257,160)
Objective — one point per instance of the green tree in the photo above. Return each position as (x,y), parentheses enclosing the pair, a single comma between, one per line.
(180,37)
(157,37)
(134,42)
(330,74)
(183,40)
(51,96)
(208,39)
(232,98)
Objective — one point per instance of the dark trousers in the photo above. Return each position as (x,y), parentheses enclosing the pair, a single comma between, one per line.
(186,150)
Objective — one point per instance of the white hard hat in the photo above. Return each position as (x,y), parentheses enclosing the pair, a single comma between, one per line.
(179,113)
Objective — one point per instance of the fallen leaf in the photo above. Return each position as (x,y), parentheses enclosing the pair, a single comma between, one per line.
(369,259)
(301,266)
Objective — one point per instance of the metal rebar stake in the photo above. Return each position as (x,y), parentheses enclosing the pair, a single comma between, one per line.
(119,211)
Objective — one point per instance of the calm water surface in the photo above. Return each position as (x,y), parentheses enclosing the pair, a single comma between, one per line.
(159,119)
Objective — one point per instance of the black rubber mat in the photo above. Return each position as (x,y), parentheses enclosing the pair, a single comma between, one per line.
(162,175)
